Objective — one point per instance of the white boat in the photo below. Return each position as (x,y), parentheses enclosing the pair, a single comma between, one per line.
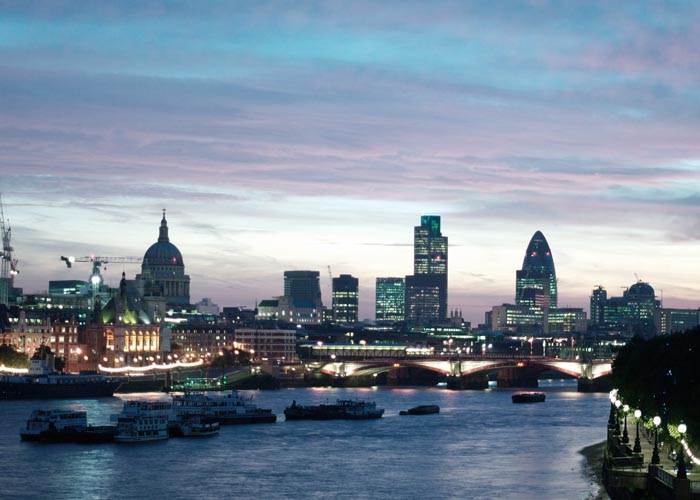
(142,421)
(54,425)
(197,426)
(228,408)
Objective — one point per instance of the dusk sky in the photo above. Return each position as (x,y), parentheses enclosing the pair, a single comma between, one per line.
(301,135)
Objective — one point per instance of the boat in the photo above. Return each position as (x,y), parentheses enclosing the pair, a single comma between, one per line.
(421,410)
(142,421)
(64,426)
(344,409)
(194,425)
(528,397)
(228,408)
(54,425)
(42,382)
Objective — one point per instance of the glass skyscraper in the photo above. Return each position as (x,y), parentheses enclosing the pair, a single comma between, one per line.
(426,290)
(536,282)
(389,305)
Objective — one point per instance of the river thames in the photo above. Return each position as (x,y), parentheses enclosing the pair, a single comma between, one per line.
(480,446)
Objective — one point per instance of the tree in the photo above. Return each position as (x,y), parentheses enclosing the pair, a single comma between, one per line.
(12,358)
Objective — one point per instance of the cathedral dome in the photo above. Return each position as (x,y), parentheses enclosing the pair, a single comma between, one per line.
(162,252)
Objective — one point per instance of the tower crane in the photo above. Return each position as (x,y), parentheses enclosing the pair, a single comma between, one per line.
(97,263)
(8,264)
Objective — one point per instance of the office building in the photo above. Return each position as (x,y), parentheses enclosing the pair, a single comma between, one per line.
(390,300)
(345,299)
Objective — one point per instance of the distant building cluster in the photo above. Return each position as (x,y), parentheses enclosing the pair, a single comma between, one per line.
(151,319)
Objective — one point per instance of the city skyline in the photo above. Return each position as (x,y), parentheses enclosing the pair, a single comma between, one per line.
(286,137)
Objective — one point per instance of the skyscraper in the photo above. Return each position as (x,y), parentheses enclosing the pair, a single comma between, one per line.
(345,299)
(536,282)
(426,290)
(390,298)
(303,286)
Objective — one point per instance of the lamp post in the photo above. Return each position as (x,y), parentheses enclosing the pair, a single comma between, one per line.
(681,454)
(655,455)
(625,436)
(618,403)
(611,417)
(637,445)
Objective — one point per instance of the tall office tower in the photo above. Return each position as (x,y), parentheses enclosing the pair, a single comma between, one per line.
(429,269)
(345,299)
(422,303)
(598,300)
(390,299)
(536,282)
(303,286)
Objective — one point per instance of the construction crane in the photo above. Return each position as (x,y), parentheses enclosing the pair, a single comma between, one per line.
(97,263)
(8,265)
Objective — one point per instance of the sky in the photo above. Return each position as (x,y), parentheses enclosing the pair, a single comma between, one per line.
(307,135)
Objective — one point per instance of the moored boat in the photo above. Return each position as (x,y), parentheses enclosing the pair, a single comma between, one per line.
(421,410)
(229,408)
(344,409)
(64,426)
(195,426)
(528,397)
(53,425)
(142,421)
(42,382)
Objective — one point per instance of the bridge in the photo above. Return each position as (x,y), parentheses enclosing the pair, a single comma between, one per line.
(462,370)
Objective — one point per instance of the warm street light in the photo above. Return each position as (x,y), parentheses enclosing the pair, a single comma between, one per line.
(655,455)
(625,436)
(681,458)
(637,445)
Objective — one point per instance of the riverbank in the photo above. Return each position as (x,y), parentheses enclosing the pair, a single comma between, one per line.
(593,469)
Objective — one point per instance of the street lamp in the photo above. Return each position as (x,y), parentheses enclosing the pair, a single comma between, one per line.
(625,436)
(655,455)
(611,417)
(618,403)
(681,454)
(637,445)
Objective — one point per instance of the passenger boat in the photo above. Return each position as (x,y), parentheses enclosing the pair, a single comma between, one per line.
(528,397)
(42,382)
(53,425)
(344,409)
(229,408)
(194,425)
(142,421)
(64,426)
(421,410)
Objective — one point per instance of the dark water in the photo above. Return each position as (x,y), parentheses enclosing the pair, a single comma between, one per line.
(480,446)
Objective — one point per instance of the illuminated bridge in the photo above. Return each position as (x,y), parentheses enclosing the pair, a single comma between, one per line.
(463,370)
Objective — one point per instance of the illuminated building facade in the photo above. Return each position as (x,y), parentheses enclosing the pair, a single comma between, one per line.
(390,299)
(422,302)
(429,274)
(163,271)
(536,282)
(30,330)
(629,315)
(345,299)
(668,321)
(202,339)
(267,344)
(536,320)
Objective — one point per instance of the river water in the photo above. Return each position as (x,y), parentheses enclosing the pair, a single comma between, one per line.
(480,446)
